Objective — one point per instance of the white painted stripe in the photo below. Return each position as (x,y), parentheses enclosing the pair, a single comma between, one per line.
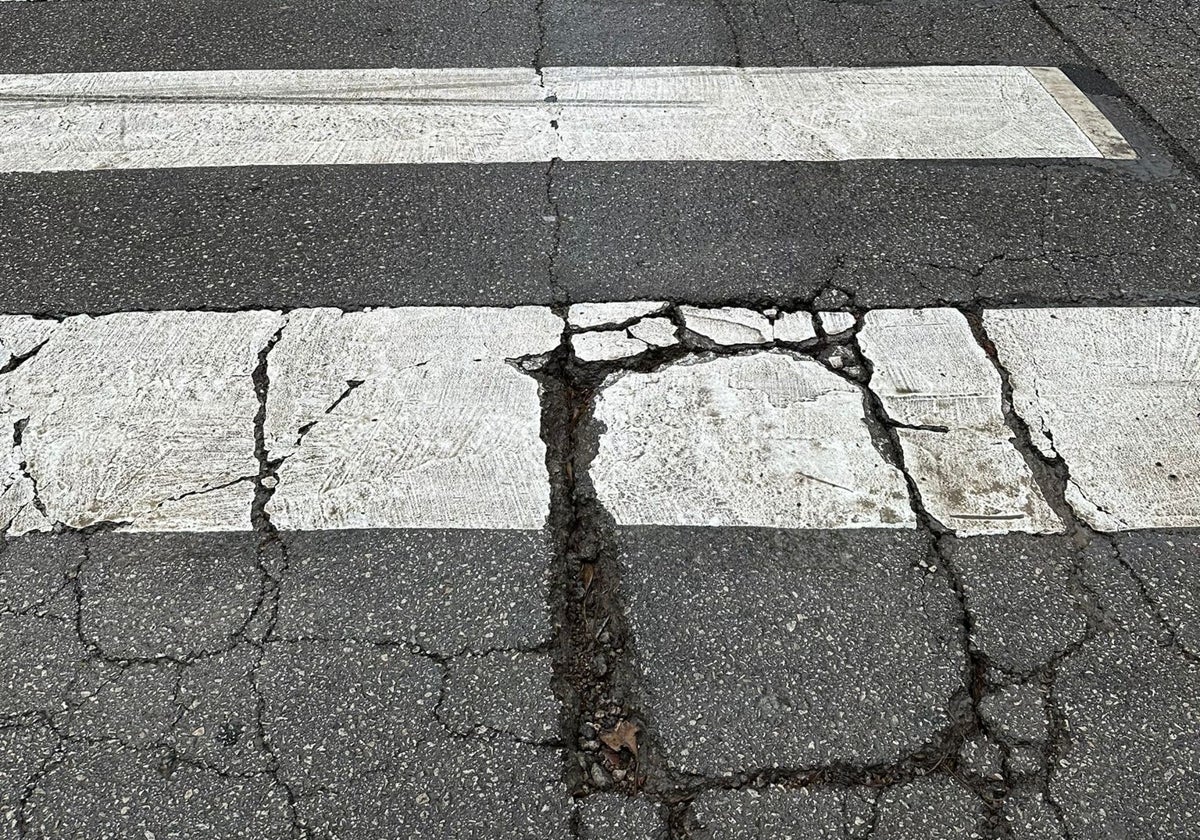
(416,417)
(389,418)
(368,116)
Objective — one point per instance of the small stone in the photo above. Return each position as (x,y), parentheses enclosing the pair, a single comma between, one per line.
(831,298)
(1024,761)
(982,757)
(600,777)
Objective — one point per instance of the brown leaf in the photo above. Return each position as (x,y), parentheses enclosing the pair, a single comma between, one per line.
(624,734)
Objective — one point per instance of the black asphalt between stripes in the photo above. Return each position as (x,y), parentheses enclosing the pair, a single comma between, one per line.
(233,664)
(115,35)
(100,35)
(901,233)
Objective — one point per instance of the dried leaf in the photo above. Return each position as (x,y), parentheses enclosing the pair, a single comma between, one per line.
(623,735)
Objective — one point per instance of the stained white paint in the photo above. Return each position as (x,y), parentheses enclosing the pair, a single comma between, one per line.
(836,323)
(795,327)
(586,316)
(765,439)
(1115,392)
(134,418)
(728,325)
(930,372)
(657,332)
(606,345)
(442,431)
(63,121)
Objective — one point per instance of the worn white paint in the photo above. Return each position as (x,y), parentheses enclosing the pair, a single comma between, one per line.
(58,121)
(1115,392)
(836,323)
(657,332)
(796,327)
(801,113)
(606,345)
(586,316)
(1083,111)
(271,117)
(20,335)
(442,431)
(133,418)
(930,372)
(728,325)
(765,439)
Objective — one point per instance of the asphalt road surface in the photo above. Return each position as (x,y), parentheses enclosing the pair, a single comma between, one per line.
(593,419)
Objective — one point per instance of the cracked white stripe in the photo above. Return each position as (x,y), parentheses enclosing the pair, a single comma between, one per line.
(421,417)
(1116,394)
(129,120)
(929,372)
(443,431)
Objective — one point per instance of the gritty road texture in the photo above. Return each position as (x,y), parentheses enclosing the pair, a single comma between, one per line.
(660,622)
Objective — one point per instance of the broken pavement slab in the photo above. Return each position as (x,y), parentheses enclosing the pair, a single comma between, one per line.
(1131,764)
(606,346)
(728,325)
(657,332)
(115,413)
(755,653)
(400,417)
(836,323)
(1115,393)
(100,790)
(793,327)
(362,747)
(587,316)
(939,387)
(766,439)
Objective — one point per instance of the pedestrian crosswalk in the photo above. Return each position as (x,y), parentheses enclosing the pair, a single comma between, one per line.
(585,419)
